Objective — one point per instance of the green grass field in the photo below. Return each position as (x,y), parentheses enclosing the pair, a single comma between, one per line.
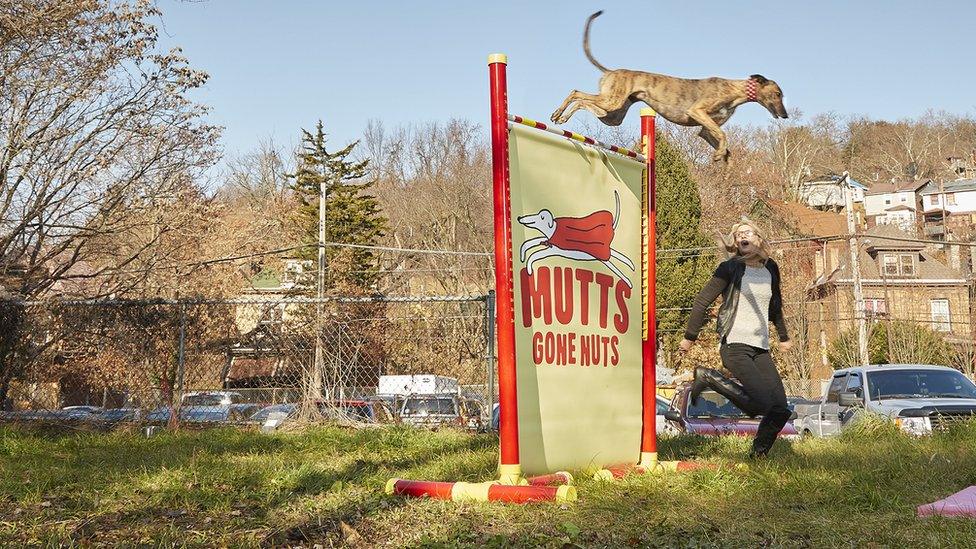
(324,486)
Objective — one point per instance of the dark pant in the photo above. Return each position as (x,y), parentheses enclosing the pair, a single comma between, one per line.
(758,376)
(756,373)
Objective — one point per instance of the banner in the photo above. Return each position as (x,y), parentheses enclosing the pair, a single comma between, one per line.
(576,237)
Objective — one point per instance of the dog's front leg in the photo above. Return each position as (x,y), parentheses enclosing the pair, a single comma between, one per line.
(718,140)
(528,244)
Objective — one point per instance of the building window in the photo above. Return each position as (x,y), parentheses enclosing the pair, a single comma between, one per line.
(898,264)
(904,198)
(907,264)
(874,308)
(951,199)
(940,314)
(887,201)
(933,200)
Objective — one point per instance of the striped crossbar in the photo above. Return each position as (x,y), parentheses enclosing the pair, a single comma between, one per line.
(576,137)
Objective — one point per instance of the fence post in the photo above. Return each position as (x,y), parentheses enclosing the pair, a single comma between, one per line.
(181,356)
(490,350)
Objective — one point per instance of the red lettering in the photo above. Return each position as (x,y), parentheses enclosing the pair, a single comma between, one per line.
(561,349)
(615,357)
(621,320)
(536,299)
(537,348)
(585,350)
(606,342)
(563,286)
(585,277)
(572,348)
(605,281)
(595,349)
(550,348)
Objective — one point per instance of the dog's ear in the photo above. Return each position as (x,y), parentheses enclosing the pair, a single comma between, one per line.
(760,79)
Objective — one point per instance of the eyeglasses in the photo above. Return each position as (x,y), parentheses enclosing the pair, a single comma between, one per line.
(744,233)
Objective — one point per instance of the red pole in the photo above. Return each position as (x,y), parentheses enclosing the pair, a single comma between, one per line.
(649,342)
(505,318)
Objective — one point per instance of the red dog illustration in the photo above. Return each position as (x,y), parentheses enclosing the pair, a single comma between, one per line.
(584,238)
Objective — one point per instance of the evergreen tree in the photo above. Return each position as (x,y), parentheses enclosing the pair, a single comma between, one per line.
(680,275)
(352,215)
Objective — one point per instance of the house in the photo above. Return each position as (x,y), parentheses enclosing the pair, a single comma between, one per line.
(900,280)
(893,203)
(829,192)
(949,209)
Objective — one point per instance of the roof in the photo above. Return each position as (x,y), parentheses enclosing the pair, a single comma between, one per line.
(900,208)
(804,220)
(834,178)
(874,241)
(895,187)
(897,239)
(957,186)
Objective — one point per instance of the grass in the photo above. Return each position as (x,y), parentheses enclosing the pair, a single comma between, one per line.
(324,486)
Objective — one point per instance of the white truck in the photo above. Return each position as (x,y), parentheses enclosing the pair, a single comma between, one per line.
(423,384)
(918,398)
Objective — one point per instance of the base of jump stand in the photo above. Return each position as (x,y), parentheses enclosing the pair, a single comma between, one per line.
(511,489)
(649,464)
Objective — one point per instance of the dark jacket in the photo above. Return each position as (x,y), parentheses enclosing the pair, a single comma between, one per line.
(726,282)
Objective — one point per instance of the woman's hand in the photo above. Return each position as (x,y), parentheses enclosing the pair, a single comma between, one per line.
(786,345)
(685,346)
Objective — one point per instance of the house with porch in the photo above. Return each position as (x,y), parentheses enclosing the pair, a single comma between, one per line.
(893,203)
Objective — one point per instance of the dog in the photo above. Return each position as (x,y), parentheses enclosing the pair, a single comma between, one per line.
(583,238)
(708,102)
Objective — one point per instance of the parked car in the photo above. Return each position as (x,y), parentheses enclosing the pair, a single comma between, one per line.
(436,410)
(918,398)
(663,427)
(364,411)
(114,416)
(713,415)
(232,413)
(211,398)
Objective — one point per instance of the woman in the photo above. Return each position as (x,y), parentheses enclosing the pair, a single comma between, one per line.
(750,285)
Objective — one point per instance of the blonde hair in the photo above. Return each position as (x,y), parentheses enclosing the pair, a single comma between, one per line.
(731,248)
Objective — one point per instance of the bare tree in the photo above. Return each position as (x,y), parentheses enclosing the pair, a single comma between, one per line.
(96,132)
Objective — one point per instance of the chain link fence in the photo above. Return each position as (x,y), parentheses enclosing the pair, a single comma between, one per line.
(260,360)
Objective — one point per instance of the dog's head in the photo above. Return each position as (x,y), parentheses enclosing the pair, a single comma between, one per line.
(543,222)
(769,95)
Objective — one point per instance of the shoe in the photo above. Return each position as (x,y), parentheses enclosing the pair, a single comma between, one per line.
(708,377)
(769,428)
(698,385)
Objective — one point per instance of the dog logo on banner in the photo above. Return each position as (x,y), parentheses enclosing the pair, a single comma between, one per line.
(585,238)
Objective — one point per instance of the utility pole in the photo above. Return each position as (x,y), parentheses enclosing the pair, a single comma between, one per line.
(319,368)
(862,327)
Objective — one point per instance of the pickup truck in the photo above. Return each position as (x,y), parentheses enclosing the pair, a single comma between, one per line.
(918,398)
(714,415)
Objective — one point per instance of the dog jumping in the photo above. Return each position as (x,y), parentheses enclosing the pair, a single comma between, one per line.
(707,102)
(583,238)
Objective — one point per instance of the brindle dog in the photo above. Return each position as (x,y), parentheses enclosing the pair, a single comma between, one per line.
(707,102)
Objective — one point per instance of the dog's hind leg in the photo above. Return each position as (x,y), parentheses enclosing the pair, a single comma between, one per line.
(623,259)
(619,273)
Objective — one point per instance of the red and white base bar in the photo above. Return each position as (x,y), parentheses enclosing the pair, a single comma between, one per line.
(554,487)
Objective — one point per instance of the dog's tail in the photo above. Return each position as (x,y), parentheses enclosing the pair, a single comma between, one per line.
(616,216)
(586,42)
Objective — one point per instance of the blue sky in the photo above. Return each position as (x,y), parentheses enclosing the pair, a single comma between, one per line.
(277,66)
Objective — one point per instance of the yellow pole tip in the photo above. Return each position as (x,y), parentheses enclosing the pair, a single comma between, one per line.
(390,486)
(566,494)
(497,58)
(604,475)
(647,111)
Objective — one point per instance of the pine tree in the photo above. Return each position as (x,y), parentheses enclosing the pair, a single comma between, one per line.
(680,275)
(352,215)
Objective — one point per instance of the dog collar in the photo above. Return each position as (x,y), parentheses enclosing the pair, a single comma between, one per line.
(752,90)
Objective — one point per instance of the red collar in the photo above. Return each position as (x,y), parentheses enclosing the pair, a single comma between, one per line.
(752,89)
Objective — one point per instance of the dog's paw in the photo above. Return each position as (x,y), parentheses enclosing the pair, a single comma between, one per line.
(555,118)
(721,156)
